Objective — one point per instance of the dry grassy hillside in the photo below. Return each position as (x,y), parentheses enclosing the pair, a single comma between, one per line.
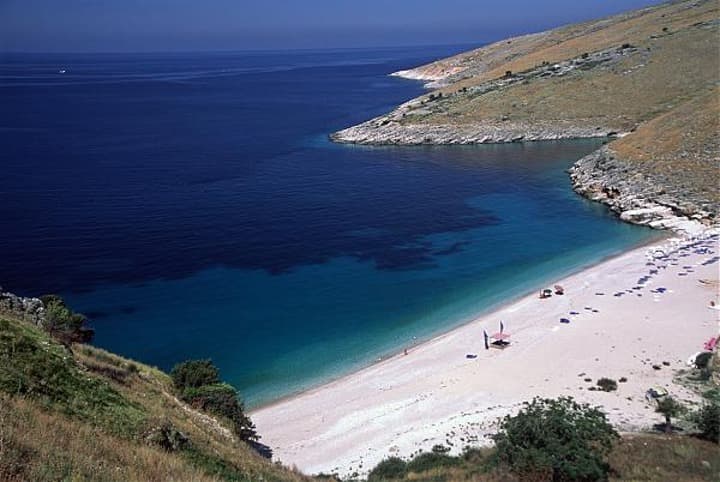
(522,53)
(635,85)
(91,415)
(681,146)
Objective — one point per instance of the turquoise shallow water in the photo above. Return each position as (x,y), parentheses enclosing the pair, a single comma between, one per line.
(322,321)
(193,207)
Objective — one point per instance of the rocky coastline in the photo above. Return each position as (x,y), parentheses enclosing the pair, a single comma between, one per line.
(637,197)
(26,309)
(404,125)
(652,90)
(384,131)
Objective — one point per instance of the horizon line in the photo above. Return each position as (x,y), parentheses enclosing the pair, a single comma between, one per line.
(472,44)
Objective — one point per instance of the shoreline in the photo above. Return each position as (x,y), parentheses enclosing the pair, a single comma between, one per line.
(397,352)
(396,406)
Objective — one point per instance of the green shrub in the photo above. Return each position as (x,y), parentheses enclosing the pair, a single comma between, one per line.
(440,449)
(167,437)
(669,407)
(607,384)
(389,469)
(63,324)
(198,382)
(219,398)
(713,395)
(222,399)
(194,373)
(707,420)
(474,453)
(557,439)
(431,460)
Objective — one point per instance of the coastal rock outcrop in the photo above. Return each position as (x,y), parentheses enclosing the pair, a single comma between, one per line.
(637,197)
(405,126)
(653,89)
(26,309)
(383,130)
(434,75)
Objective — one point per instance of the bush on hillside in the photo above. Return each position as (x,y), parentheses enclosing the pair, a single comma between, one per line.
(395,468)
(63,324)
(440,449)
(670,408)
(431,460)
(167,437)
(219,398)
(222,399)
(194,374)
(607,384)
(556,439)
(707,420)
(392,468)
(198,383)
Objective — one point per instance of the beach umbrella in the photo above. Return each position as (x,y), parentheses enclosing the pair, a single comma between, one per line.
(487,346)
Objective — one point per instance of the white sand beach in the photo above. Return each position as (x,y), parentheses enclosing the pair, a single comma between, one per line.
(626,315)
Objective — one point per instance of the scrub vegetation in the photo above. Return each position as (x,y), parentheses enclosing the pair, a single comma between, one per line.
(86,414)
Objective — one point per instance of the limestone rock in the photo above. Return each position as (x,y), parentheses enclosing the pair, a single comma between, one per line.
(27,309)
(636,197)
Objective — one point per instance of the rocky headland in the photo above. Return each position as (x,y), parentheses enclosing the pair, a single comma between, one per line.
(645,80)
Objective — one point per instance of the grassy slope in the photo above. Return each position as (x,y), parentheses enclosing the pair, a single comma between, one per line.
(522,53)
(667,68)
(616,96)
(85,417)
(678,144)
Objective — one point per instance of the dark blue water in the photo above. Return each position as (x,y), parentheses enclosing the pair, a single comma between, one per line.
(193,207)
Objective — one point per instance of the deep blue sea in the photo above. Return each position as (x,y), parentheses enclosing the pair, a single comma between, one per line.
(192,206)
